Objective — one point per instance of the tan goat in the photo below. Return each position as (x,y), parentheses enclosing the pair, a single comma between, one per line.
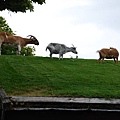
(108,53)
(18,41)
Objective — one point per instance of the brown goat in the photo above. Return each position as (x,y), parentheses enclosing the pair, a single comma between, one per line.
(108,54)
(18,41)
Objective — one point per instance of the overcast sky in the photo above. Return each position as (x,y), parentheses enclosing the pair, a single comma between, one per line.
(87,24)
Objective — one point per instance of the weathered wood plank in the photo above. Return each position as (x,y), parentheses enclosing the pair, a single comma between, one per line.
(65,103)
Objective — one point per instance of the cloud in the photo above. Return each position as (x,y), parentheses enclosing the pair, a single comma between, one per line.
(103,13)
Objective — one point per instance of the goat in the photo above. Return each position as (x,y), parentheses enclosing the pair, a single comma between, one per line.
(56,48)
(108,54)
(18,41)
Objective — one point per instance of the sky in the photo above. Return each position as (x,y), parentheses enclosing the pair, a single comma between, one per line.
(89,25)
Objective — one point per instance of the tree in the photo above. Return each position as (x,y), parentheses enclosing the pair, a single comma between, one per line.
(9,49)
(19,5)
(4,26)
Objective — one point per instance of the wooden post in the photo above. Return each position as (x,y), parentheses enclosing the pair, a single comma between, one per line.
(1,104)
(3,101)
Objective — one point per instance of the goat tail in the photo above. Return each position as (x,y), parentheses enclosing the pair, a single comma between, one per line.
(46,48)
(97,51)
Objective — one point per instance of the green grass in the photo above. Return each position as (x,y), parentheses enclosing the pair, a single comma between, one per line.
(42,76)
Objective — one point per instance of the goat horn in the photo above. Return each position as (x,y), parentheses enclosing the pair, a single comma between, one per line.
(31,36)
(73,45)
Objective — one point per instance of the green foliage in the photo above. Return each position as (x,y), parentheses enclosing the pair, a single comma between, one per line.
(11,50)
(4,26)
(43,76)
(19,5)
(28,51)
(8,50)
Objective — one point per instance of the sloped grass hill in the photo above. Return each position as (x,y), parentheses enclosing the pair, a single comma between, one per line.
(43,76)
